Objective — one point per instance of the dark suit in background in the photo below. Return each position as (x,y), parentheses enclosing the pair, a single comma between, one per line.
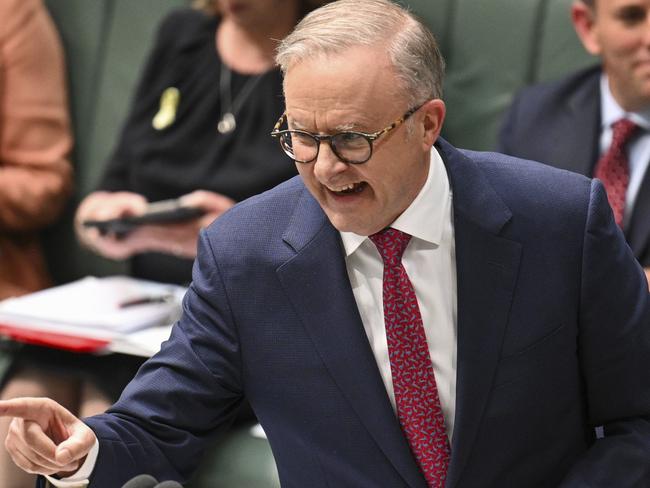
(559,123)
(553,338)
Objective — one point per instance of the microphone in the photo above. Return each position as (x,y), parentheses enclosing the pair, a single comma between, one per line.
(142,481)
(169,484)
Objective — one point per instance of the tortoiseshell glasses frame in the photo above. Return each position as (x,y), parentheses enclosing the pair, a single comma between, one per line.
(352,147)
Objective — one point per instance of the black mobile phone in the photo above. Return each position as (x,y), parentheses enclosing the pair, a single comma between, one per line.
(165,211)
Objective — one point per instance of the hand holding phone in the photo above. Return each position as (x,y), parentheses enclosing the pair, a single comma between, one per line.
(162,212)
(119,225)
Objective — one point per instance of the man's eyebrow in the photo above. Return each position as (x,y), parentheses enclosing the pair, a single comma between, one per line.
(295,124)
(339,128)
(346,127)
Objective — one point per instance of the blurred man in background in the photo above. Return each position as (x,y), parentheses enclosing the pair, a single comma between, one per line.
(597,121)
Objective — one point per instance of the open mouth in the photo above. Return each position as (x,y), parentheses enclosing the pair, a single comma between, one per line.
(349,189)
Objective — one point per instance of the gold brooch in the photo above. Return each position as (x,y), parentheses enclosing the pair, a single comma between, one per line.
(167,112)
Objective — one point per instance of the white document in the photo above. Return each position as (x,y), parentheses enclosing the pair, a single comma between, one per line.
(96,307)
(145,342)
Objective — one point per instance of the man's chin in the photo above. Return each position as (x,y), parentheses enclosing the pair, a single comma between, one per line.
(362,227)
(345,224)
(642,101)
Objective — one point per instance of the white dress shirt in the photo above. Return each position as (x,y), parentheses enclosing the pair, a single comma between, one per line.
(639,148)
(430,261)
(80,478)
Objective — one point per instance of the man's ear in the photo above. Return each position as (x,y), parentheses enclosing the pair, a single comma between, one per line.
(584,22)
(433,116)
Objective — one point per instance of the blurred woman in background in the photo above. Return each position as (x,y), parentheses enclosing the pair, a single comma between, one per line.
(198,130)
(35,142)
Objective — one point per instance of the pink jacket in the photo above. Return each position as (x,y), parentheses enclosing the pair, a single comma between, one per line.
(35,141)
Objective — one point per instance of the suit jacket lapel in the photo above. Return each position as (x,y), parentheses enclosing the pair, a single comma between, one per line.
(487,266)
(317,284)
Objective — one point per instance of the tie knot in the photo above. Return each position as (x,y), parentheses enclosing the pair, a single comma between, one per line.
(391,244)
(622,131)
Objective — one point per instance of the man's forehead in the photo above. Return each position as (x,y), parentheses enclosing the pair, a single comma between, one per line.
(323,119)
(338,79)
(359,65)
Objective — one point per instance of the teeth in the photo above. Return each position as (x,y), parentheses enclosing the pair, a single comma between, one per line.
(343,188)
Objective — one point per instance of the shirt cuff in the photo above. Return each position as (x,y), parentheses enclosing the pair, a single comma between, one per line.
(80,478)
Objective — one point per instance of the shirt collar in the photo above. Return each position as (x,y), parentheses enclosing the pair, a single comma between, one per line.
(428,207)
(611,111)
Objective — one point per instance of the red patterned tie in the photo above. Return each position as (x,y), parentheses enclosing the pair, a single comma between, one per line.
(613,169)
(416,394)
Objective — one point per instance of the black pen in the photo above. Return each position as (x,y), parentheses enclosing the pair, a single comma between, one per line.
(144,300)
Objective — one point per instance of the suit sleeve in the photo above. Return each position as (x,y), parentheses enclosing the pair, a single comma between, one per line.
(614,349)
(182,397)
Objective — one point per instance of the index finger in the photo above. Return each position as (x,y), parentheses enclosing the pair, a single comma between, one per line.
(42,410)
(24,408)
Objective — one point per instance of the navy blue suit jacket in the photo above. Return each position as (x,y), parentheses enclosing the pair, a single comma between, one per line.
(553,339)
(558,123)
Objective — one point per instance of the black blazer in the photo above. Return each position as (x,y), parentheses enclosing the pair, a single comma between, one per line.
(559,124)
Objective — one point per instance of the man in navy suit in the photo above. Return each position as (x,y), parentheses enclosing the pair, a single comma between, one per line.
(521,309)
(568,123)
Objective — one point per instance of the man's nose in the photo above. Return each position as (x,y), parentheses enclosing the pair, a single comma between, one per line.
(327,163)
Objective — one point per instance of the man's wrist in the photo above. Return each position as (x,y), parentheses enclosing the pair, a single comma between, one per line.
(80,478)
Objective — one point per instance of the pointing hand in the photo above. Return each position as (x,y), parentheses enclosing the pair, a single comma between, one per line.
(44,437)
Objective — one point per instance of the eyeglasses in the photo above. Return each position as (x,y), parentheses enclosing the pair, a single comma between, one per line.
(351,147)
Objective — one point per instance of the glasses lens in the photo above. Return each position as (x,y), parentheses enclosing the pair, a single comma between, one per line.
(352,147)
(299,145)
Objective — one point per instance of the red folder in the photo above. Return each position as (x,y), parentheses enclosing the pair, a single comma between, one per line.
(53,339)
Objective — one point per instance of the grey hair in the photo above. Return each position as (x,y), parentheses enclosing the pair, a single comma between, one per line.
(341,25)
